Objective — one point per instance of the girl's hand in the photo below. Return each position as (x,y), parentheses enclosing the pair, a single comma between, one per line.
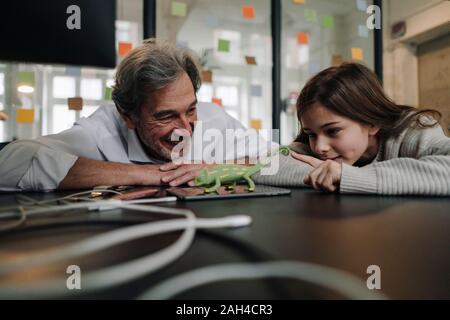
(325,176)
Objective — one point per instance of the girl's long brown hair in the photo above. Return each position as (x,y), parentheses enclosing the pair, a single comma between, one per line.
(354,91)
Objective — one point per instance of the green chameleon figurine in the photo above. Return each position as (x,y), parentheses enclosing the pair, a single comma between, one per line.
(229,175)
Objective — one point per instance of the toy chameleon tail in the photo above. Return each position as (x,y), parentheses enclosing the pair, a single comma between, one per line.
(284,150)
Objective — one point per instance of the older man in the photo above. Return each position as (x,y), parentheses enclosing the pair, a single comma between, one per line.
(125,144)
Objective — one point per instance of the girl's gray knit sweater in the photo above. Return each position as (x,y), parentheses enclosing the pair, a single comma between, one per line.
(417,162)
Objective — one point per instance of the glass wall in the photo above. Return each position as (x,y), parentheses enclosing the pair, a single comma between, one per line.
(38,99)
(233,39)
(316,35)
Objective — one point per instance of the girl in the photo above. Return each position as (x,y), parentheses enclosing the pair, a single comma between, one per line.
(358,141)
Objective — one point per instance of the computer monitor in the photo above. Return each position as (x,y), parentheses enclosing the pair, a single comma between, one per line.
(55,32)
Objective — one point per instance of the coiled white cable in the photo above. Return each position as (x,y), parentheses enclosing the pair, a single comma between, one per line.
(119,274)
(342,282)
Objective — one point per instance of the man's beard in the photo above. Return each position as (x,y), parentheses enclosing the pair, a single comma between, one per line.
(155,149)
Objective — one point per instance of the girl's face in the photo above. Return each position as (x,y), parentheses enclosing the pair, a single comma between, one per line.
(334,137)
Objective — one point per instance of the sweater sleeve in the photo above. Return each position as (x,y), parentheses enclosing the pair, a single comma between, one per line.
(419,166)
(287,172)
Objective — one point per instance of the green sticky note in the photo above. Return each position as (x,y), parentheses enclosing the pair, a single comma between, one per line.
(179,9)
(327,22)
(310,15)
(224,45)
(108,93)
(25,78)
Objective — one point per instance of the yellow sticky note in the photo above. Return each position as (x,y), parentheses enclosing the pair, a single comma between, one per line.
(75,103)
(256,124)
(357,54)
(24,115)
(179,9)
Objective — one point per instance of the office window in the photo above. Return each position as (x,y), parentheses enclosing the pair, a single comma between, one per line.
(63,119)
(88,110)
(2,84)
(228,95)
(91,89)
(316,35)
(235,48)
(89,84)
(205,94)
(63,87)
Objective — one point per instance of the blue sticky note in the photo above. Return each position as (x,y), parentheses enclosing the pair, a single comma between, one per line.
(361,5)
(73,71)
(314,68)
(363,31)
(212,22)
(256,90)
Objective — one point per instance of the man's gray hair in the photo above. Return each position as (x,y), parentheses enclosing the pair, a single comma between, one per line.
(150,67)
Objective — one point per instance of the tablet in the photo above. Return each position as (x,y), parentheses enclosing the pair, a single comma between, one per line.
(197,193)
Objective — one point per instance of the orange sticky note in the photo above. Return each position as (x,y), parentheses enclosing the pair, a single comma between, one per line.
(298,1)
(256,124)
(75,103)
(124,48)
(24,115)
(217,101)
(248,12)
(250,60)
(357,54)
(302,38)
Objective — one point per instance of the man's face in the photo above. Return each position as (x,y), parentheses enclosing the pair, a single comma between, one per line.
(168,109)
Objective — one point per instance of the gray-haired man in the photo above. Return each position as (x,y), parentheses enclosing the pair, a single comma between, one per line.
(125,144)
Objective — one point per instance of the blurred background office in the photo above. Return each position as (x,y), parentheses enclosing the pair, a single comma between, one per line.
(256,55)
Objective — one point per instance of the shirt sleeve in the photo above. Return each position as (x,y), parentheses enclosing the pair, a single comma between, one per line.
(41,164)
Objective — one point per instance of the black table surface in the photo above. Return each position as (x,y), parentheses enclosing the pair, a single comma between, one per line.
(407,237)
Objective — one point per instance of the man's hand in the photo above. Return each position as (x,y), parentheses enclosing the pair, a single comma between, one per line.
(325,176)
(178,174)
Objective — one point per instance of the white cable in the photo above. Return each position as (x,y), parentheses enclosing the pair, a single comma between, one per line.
(103,278)
(342,282)
(128,271)
(102,205)
(28,201)
(87,246)
(115,237)
(15,224)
